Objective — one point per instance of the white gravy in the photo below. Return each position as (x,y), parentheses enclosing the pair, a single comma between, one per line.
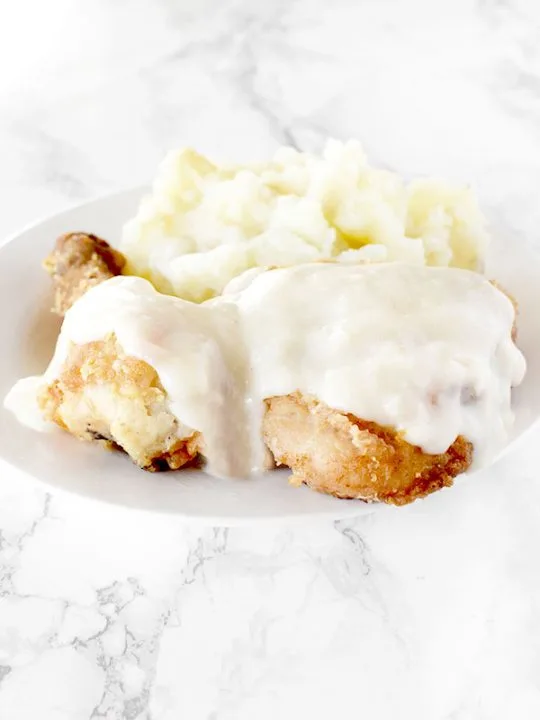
(425,350)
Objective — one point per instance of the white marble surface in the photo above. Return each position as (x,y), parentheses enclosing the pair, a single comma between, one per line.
(430,612)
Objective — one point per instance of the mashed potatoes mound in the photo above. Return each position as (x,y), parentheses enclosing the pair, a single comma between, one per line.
(205,224)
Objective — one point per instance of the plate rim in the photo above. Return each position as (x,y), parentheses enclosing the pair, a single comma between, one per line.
(71,207)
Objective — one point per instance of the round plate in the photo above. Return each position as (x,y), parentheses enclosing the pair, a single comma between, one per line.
(29,333)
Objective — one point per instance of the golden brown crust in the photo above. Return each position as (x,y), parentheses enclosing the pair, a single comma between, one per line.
(339,454)
(78,262)
(104,396)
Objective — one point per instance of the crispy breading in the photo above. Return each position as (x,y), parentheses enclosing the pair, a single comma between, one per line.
(78,262)
(103,395)
(339,454)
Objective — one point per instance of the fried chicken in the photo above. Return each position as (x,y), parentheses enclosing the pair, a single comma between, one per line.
(102,395)
(342,455)
(78,262)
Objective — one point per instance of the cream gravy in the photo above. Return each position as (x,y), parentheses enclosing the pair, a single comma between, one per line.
(424,350)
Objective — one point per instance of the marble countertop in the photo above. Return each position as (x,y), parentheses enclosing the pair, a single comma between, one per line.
(431,612)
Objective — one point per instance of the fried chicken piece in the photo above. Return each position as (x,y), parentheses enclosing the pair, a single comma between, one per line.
(78,262)
(103,395)
(339,454)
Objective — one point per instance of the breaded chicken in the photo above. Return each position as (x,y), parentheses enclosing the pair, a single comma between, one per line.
(103,395)
(106,396)
(345,456)
(78,262)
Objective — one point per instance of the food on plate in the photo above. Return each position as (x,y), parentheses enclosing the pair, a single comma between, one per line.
(339,454)
(205,223)
(78,262)
(104,396)
(374,360)
(375,381)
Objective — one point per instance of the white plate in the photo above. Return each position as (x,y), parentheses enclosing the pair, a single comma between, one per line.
(29,333)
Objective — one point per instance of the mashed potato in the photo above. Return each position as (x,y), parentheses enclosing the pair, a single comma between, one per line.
(205,224)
